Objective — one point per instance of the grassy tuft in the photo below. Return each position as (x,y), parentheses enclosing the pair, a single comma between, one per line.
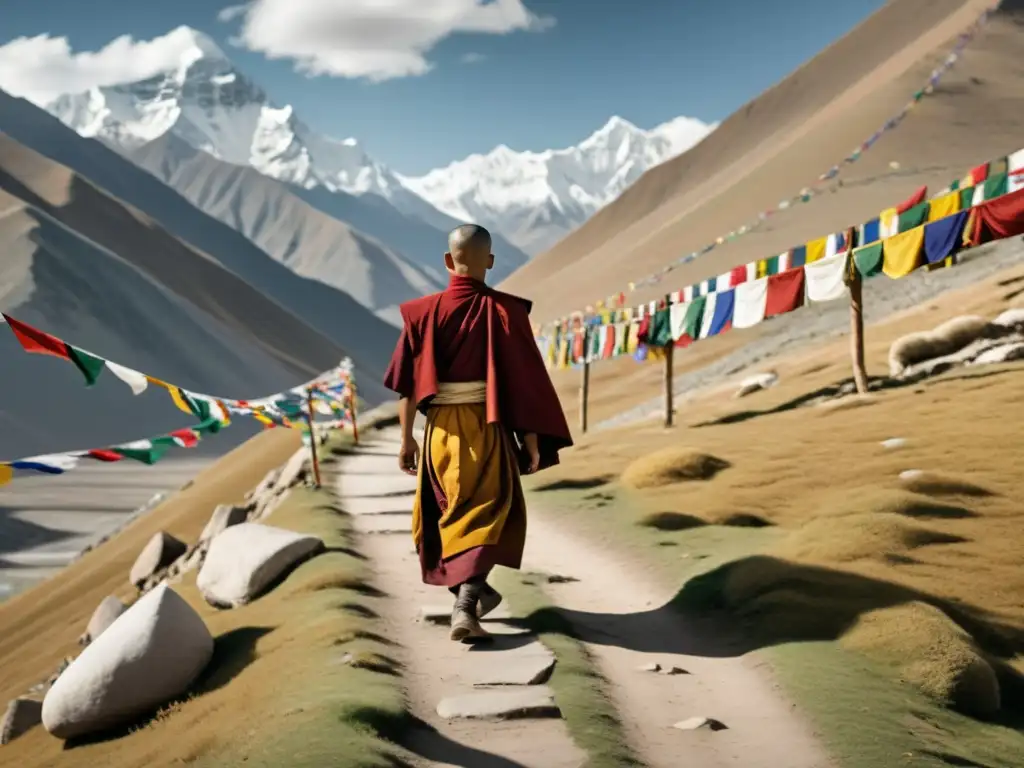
(671,465)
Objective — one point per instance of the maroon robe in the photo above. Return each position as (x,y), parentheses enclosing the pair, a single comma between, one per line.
(470,332)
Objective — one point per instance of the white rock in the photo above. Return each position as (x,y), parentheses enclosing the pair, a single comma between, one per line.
(105,614)
(161,550)
(756,383)
(245,559)
(909,475)
(530,701)
(293,470)
(893,443)
(265,484)
(149,655)
(696,723)
(22,715)
(223,517)
(519,669)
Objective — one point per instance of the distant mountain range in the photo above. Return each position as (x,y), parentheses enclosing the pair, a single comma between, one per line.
(528,199)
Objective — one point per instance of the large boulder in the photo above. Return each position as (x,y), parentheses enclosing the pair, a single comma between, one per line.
(22,715)
(161,550)
(943,340)
(224,516)
(104,615)
(148,656)
(246,559)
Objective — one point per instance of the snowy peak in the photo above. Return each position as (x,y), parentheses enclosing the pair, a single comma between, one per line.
(536,198)
(197,45)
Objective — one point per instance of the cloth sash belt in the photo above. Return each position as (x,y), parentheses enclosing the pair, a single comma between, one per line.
(460,393)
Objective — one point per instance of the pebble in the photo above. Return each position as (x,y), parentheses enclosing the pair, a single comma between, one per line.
(696,723)
(893,443)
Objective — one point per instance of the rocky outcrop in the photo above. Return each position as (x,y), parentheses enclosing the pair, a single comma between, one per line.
(106,613)
(22,715)
(161,550)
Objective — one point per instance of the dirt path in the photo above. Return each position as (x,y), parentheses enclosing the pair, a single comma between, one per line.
(616,608)
(436,669)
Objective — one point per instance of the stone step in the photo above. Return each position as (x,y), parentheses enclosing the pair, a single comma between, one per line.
(386,505)
(375,486)
(529,702)
(384,524)
(526,666)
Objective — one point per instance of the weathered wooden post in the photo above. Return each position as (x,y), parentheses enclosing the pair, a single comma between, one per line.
(312,437)
(584,380)
(669,384)
(860,376)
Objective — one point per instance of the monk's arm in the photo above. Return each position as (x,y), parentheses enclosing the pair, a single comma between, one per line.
(406,417)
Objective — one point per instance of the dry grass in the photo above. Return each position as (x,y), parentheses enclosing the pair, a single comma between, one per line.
(931,652)
(852,544)
(298,677)
(671,465)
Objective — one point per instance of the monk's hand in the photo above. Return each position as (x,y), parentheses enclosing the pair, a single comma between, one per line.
(409,456)
(533,452)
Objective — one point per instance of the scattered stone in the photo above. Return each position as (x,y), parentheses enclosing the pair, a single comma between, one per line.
(264,485)
(223,517)
(64,664)
(894,443)
(756,383)
(151,654)
(555,578)
(528,702)
(942,341)
(697,723)
(246,559)
(436,614)
(909,475)
(652,667)
(105,614)
(294,471)
(22,715)
(518,669)
(161,550)
(674,671)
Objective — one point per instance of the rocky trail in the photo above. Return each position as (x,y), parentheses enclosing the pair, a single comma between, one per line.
(487,705)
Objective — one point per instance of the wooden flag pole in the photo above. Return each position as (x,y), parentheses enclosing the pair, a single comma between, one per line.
(584,382)
(860,376)
(312,437)
(669,386)
(352,409)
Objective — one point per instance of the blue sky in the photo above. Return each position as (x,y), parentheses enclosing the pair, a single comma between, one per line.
(549,82)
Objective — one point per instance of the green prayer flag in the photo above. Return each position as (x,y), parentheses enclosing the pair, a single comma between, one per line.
(966,198)
(90,365)
(694,317)
(996,185)
(660,334)
(869,259)
(914,217)
(772,265)
(147,454)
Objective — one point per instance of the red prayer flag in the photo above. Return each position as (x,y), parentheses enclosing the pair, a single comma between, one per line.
(999,218)
(915,199)
(979,174)
(36,341)
(785,292)
(738,275)
(187,437)
(102,454)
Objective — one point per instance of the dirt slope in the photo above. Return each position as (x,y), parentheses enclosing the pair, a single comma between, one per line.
(782,140)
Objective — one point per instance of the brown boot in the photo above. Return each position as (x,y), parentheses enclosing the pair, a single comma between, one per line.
(465,625)
(490,598)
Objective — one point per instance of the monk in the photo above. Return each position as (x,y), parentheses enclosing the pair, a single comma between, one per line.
(467,360)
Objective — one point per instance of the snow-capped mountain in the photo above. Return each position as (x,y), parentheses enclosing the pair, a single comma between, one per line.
(528,199)
(536,198)
(214,107)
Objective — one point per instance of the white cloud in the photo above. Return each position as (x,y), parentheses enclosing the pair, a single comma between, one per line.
(372,39)
(231,13)
(43,67)
(472,58)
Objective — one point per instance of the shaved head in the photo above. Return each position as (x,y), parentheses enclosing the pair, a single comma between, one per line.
(469,236)
(469,251)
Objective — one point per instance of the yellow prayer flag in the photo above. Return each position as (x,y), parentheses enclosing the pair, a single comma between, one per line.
(816,250)
(179,400)
(889,222)
(761,267)
(944,206)
(902,252)
(262,418)
(6,474)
